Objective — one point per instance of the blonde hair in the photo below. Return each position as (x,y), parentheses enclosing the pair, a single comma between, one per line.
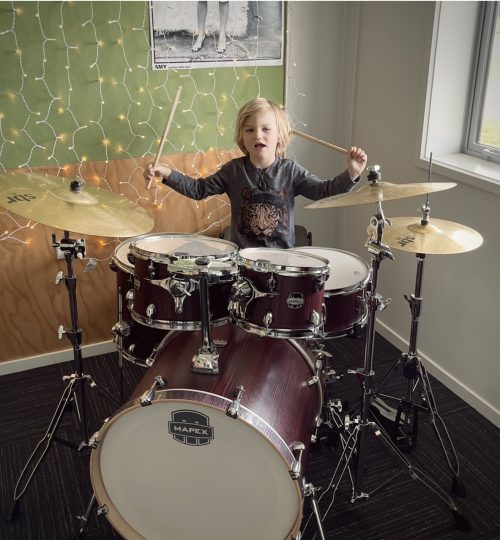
(282,123)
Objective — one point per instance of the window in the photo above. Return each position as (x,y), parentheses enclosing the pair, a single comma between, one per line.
(483,129)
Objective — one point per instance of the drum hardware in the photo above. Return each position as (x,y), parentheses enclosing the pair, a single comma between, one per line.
(442,238)
(74,392)
(310,491)
(297,448)
(179,289)
(149,395)
(233,408)
(356,429)
(207,358)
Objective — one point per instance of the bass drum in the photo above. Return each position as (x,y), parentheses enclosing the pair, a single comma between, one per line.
(183,468)
(137,342)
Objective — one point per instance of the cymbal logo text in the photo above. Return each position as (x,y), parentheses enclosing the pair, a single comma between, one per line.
(21,197)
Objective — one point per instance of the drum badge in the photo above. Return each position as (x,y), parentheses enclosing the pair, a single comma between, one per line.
(295,300)
(191,427)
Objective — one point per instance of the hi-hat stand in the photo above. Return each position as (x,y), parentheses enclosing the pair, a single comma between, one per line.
(75,388)
(404,426)
(355,430)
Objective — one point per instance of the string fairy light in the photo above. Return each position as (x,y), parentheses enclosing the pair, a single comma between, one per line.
(87,92)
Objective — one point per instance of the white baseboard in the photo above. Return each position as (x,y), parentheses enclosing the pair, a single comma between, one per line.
(23,364)
(469,396)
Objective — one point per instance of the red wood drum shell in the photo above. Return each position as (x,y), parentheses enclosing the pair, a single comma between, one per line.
(217,476)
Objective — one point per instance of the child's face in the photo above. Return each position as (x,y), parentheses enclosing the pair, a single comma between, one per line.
(260,137)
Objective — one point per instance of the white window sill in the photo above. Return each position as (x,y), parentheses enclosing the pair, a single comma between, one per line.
(475,172)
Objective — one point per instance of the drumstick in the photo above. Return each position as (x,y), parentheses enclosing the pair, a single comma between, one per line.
(319,141)
(165,133)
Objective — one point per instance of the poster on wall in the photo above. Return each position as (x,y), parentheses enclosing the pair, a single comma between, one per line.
(196,34)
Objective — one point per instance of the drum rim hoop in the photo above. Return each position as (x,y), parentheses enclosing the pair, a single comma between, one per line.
(102,495)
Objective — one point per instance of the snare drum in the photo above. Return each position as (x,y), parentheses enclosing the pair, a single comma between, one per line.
(279,292)
(201,463)
(137,343)
(167,279)
(345,291)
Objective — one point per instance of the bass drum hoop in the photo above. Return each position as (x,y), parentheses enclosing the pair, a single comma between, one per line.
(219,404)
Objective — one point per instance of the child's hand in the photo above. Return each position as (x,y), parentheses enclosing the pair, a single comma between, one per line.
(356,161)
(159,170)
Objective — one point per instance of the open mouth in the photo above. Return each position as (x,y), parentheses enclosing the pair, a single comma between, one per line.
(259,145)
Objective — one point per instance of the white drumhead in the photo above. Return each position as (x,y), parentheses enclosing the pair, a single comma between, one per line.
(282,258)
(120,256)
(188,246)
(236,486)
(346,269)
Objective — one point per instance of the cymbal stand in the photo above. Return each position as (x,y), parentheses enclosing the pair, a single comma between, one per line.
(406,419)
(75,388)
(356,429)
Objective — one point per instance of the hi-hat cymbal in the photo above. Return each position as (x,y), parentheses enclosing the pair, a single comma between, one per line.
(375,192)
(57,202)
(437,237)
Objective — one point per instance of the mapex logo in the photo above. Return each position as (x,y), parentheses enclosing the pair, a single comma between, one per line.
(295,300)
(191,427)
(21,197)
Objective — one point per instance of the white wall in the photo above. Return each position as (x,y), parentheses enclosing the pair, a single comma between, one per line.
(386,85)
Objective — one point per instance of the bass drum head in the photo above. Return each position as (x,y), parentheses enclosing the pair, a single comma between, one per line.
(224,482)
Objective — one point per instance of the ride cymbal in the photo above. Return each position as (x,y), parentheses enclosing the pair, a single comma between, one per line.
(437,237)
(71,205)
(375,192)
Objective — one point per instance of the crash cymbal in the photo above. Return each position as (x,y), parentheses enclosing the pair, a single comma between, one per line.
(437,237)
(375,192)
(69,205)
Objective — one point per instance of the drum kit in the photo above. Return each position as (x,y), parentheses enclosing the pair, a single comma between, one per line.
(214,441)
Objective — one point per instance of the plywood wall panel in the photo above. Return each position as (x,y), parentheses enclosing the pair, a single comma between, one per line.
(33,306)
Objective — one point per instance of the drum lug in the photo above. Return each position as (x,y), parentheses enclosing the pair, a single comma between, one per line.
(150,311)
(297,448)
(102,510)
(317,320)
(313,380)
(149,395)
(120,329)
(233,409)
(93,441)
(271,283)
(151,269)
(129,296)
(268,319)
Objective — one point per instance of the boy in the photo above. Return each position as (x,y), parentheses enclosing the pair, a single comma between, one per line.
(262,185)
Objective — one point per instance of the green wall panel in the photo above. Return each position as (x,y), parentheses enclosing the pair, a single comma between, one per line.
(76,84)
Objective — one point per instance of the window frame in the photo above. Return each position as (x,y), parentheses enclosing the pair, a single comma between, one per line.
(486,32)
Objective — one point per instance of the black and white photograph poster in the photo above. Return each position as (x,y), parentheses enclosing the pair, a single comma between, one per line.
(204,34)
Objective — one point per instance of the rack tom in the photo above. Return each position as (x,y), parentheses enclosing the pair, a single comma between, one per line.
(167,279)
(279,293)
(346,309)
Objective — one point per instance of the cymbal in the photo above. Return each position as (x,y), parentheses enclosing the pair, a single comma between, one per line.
(374,192)
(437,237)
(52,201)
